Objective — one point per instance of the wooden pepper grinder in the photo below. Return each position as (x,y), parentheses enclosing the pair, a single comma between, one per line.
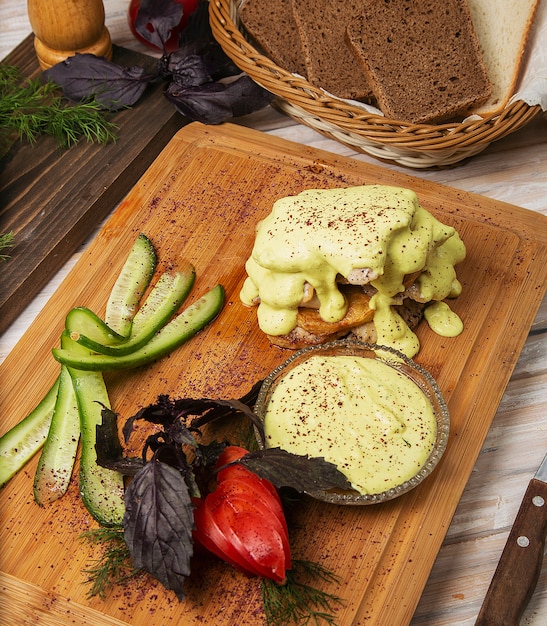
(63,27)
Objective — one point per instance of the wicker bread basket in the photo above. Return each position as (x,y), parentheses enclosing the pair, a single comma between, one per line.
(410,145)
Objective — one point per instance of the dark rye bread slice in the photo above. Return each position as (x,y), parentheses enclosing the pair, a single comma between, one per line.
(422,58)
(330,65)
(272,25)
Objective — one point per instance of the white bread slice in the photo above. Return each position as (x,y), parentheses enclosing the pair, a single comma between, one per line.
(502,28)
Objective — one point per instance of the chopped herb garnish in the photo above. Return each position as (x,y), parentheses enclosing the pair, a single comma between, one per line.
(299,601)
(114,566)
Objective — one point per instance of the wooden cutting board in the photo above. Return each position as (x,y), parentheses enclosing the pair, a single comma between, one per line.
(201,199)
(53,200)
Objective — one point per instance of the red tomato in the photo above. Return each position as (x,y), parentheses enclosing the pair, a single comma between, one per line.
(242,521)
(236,493)
(233,453)
(254,537)
(214,539)
(189,6)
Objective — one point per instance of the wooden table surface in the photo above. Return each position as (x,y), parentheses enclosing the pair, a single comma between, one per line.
(513,170)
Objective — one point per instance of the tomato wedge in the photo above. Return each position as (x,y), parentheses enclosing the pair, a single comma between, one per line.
(242,521)
(230,454)
(213,539)
(237,492)
(242,474)
(233,453)
(255,539)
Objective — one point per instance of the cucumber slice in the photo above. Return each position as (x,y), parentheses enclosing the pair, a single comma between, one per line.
(130,285)
(21,442)
(101,489)
(83,321)
(171,336)
(163,301)
(56,462)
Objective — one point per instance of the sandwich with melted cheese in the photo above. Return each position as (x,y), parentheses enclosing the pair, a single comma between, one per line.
(367,260)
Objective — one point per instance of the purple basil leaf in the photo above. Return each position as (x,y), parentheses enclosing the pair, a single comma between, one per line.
(108,444)
(158,524)
(188,71)
(213,58)
(218,409)
(86,76)
(172,415)
(156,19)
(109,449)
(197,38)
(213,103)
(215,61)
(302,473)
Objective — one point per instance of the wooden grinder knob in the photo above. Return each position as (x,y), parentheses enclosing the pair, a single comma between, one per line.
(63,27)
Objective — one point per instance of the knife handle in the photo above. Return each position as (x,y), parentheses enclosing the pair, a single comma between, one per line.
(520,564)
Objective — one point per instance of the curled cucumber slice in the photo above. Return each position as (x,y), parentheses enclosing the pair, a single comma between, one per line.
(171,336)
(164,300)
(101,489)
(83,321)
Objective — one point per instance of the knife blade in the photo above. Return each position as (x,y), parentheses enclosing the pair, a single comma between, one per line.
(519,567)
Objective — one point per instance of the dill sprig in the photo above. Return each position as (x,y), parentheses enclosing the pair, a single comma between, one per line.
(30,108)
(298,602)
(114,566)
(295,602)
(6,241)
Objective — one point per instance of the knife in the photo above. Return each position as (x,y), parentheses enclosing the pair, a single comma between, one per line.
(520,563)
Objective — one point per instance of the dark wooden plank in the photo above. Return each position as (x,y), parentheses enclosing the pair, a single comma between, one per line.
(53,200)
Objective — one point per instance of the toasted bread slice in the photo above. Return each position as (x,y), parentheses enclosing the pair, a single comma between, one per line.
(311,330)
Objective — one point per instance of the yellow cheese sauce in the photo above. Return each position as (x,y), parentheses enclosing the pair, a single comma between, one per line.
(442,320)
(359,413)
(377,233)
